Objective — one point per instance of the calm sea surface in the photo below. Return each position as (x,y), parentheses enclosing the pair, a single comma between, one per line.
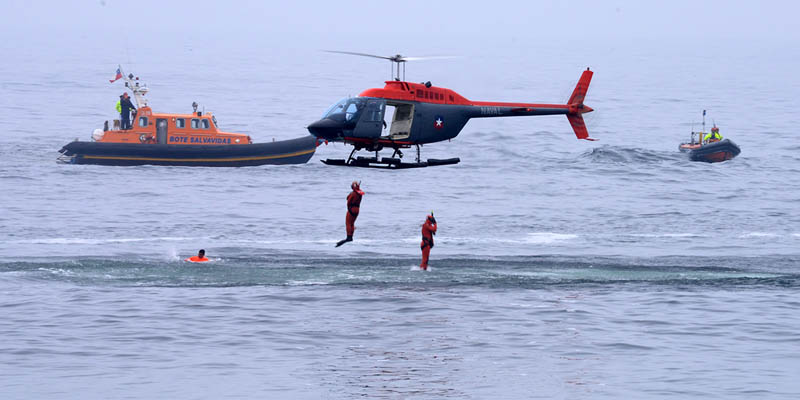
(562,268)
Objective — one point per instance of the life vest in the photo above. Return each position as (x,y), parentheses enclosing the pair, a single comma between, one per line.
(428,230)
(119,106)
(197,259)
(712,136)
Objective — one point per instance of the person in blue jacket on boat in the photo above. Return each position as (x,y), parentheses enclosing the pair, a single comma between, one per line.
(714,136)
(125,108)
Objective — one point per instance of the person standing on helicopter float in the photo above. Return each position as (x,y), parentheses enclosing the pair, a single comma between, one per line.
(428,230)
(353,207)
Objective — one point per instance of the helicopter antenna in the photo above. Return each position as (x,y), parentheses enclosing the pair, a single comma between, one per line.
(396,60)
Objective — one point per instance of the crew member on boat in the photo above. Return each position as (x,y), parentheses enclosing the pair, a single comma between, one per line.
(714,136)
(125,107)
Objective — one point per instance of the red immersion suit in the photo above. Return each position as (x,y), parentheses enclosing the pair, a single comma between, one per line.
(428,230)
(353,204)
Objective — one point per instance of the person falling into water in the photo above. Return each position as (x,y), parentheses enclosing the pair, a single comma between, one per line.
(428,230)
(353,207)
(200,257)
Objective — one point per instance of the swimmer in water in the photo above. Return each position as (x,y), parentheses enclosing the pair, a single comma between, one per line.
(200,257)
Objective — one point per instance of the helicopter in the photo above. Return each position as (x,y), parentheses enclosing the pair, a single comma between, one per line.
(423,114)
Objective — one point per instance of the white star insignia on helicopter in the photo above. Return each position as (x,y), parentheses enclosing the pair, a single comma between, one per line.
(439,122)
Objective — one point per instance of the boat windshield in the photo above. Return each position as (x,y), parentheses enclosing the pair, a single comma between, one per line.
(351,107)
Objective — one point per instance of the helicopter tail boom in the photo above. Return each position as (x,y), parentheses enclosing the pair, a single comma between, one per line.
(573,109)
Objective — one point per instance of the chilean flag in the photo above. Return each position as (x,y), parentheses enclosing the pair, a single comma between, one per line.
(117,76)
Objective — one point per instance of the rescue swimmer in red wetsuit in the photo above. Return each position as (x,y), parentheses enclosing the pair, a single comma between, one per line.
(353,205)
(428,230)
(200,257)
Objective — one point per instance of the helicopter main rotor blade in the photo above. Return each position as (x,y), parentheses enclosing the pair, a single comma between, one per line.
(358,54)
(427,58)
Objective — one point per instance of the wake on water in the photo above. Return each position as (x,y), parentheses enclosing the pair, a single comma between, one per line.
(498,272)
(607,154)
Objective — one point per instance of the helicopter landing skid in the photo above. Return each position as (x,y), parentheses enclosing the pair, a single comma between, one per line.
(389,163)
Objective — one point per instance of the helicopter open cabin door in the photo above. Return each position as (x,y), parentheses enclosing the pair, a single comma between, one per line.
(370,124)
(401,121)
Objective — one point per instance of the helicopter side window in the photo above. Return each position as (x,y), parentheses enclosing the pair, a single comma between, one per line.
(351,111)
(354,108)
(180,123)
(402,113)
(374,111)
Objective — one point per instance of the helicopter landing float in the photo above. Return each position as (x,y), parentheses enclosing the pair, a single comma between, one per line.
(423,114)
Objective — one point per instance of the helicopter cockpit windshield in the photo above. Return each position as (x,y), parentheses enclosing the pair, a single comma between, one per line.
(350,109)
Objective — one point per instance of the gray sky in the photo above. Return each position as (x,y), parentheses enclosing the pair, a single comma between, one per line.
(497,20)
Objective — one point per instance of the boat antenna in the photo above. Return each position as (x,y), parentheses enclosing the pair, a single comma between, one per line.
(704,120)
(139,91)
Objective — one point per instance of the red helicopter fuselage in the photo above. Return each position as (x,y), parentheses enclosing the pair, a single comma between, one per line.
(427,114)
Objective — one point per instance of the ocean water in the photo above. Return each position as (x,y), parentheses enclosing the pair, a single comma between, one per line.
(562,268)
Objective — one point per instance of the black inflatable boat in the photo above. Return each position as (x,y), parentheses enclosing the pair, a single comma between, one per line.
(712,152)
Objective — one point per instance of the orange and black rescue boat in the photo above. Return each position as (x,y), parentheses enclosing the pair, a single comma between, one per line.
(711,151)
(179,139)
(709,146)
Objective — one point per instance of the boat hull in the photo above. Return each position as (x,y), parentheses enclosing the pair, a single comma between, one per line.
(712,152)
(293,151)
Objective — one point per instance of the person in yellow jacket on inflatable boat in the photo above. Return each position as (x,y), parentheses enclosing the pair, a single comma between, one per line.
(714,136)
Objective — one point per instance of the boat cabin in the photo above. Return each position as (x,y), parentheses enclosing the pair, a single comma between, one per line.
(196,128)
